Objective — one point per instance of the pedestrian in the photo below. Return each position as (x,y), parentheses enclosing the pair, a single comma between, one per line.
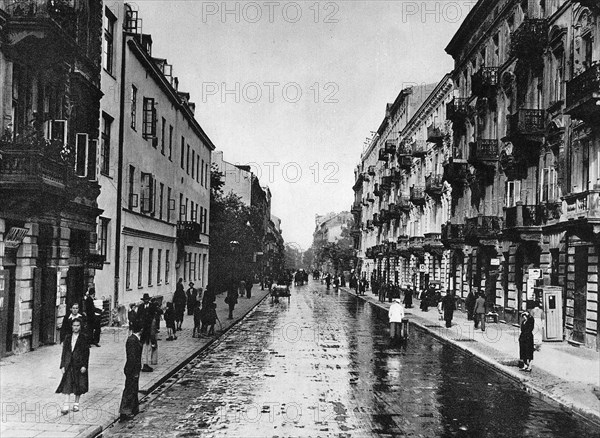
(92,317)
(448,306)
(170,322)
(197,320)
(538,318)
(336,281)
(74,362)
(363,287)
(132,317)
(207,299)
(133,365)
(382,291)
(526,341)
(231,298)
(424,300)
(408,297)
(191,299)
(249,284)
(179,302)
(242,288)
(211,318)
(470,305)
(146,319)
(479,311)
(65,328)
(155,326)
(396,314)
(328,280)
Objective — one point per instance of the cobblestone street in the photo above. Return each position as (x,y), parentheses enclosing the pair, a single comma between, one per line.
(321,365)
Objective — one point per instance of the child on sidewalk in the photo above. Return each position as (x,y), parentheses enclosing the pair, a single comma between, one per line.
(169,317)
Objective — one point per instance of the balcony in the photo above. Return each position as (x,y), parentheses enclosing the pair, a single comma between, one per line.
(583,95)
(583,206)
(386,182)
(370,225)
(417,195)
(395,211)
(456,171)
(384,216)
(188,232)
(433,243)
(376,221)
(403,203)
(370,197)
(483,228)
(376,190)
(453,234)
(371,170)
(383,155)
(529,41)
(484,151)
(390,147)
(405,162)
(415,245)
(403,246)
(419,148)
(404,149)
(485,82)
(369,253)
(457,110)
(396,176)
(434,133)
(528,123)
(434,184)
(523,216)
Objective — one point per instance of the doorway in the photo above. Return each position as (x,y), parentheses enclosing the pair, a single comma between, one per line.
(75,286)
(7,309)
(580,293)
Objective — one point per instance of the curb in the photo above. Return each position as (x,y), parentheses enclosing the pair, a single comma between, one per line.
(584,413)
(96,431)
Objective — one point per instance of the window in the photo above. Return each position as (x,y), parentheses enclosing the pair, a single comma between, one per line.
(192,212)
(158,266)
(170,143)
(108,43)
(169,204)
(195,276)
(163,125)
(187,160)
(149,118)
(193,164)
(198,168)
(513,193)
(105,146)
(134,107)
(167,265)
(128,268)
(189,263)
(160,201)
(206,174)
(103,229)
(203,219)
(549,189)
(202,172)
(185,266)
(132,201)
(181,208)
(186,209)
(559,74)
(150,256)
(182,163)
(147,192)
(140,266)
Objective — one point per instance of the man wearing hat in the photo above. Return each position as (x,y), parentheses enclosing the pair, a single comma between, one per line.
(191,298)
(145,317)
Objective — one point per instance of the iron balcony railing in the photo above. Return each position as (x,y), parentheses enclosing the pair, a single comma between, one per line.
(457,109)
(434,183)
(188,232)
(404,149)
(484,150)
(456,171)
(583,94)
(390,146)
(419,148)
(524,216)
(526,122)
(453,233)
(484,81)
(371,170)
(403,202)
(417,195)
(530,39)
(61,12)
(483,227)
(434,133)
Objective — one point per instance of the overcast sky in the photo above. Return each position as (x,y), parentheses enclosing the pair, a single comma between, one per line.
(294,88)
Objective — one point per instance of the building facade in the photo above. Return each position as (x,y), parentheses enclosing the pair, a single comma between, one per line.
(155,163)
(50,97)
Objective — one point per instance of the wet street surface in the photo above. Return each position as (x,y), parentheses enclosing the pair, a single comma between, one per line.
(322,365)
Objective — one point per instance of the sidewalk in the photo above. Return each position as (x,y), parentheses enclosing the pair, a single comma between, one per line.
(561,373)
(30,407)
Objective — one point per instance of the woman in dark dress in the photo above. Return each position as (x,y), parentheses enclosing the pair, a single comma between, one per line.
(526,341)
(74,366)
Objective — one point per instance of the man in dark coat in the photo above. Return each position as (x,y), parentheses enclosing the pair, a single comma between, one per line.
(93,317)
(133,349)
(191,298)
(470,305)
(145,319)
(448,306)
(231,298)
(249,284)
(179,301)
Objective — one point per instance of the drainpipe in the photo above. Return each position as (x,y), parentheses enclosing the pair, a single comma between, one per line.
(119,199)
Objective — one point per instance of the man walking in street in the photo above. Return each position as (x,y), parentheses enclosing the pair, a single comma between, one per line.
(448,306)
(191,299)
(480,312)
(133,350)
(93,317)
(179,301)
